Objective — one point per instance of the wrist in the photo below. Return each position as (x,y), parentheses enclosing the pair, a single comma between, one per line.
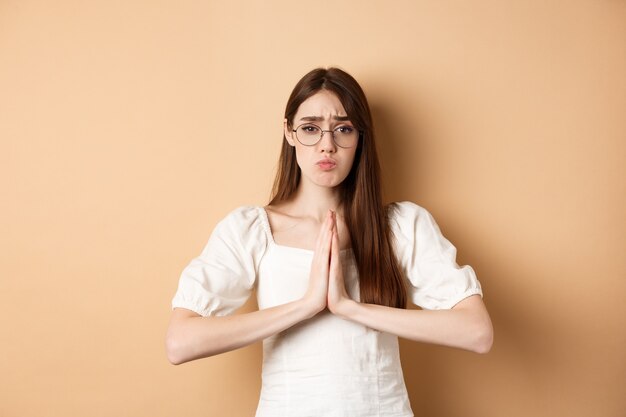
(345,308)
(311,306)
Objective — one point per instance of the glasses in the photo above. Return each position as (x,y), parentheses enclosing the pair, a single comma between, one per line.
(310,134)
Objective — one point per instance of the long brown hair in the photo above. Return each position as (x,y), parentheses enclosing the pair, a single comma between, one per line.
(380,278)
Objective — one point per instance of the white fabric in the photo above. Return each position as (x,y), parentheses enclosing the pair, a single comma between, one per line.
(325,366)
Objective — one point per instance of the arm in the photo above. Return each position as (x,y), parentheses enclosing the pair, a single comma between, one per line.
(191,336)
(467,325)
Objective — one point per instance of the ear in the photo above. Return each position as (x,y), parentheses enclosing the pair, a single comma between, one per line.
(288,133)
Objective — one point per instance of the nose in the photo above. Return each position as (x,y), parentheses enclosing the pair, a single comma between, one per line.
(327,142)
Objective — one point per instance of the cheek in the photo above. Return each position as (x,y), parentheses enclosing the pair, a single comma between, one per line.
(350,159)
(301,155)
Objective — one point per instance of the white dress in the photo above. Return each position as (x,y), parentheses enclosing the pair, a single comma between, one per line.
(325,366)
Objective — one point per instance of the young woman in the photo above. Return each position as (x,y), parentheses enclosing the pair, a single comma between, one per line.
(332,269)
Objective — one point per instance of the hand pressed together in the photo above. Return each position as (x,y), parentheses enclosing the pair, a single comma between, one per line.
(337,293)
(326,284)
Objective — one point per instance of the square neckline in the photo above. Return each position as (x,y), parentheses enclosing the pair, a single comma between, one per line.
(268,231)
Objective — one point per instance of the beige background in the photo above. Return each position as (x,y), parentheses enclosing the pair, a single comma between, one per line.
(129,128)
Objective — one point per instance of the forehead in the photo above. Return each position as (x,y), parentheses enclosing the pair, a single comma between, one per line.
(323,104)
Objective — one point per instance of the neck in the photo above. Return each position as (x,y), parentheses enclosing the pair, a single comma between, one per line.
(315,201)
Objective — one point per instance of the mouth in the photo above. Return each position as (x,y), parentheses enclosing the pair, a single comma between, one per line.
(326,164)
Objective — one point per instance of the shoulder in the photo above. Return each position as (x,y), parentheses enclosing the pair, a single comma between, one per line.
(399,209)
(244,215)
(281,217)
(244,222)
(401,212)
(406,219)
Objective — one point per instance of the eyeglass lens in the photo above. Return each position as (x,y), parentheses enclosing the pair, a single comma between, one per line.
(344,136)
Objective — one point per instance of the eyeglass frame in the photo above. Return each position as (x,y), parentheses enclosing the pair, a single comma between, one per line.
(332,132)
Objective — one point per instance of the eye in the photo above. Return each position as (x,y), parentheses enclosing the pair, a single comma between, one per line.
(345,130)
(309,129)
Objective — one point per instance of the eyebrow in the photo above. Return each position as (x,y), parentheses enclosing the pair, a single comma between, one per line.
(320,118)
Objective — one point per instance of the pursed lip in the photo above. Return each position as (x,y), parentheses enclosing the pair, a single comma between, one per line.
(326,161)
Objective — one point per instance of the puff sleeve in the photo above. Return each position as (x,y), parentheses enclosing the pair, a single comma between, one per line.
(428,259)
(221,279)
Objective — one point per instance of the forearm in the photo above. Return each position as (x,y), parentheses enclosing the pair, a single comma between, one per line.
(467,326)
(194,337)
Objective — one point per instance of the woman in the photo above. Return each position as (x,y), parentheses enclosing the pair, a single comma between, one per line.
(332,268)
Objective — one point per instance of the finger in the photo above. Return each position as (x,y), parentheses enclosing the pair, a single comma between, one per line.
(322,236)
(334,256)
(332,225)
(322,252)
(331,220)
(328,227)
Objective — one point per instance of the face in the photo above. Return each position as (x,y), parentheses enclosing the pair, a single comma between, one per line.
(323,164)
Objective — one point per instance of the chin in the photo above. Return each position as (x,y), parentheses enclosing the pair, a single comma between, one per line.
(329,179)
(329,182)
(332,185)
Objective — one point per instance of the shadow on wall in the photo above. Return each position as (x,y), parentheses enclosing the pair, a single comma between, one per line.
(396,158)
(428,370)
(443,381)
(398,151)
